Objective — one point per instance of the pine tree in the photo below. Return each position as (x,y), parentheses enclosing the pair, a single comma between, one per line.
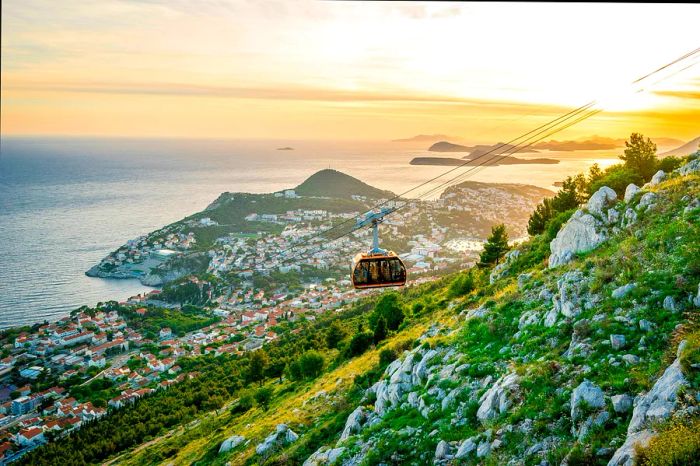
(640,155)
(380,330)
(258,363)
(496,246)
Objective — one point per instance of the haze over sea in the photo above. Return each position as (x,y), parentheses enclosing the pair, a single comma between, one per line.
(65,203)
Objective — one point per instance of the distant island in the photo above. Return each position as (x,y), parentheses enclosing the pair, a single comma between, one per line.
(426,138)
(496,160)
(285,148)
(477,150)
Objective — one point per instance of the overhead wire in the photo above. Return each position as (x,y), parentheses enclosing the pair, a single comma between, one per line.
(531,137)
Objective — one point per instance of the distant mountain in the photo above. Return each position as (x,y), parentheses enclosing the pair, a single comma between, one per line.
(685,149)
(477,150)
(488,160)
(426,138)
(332,183)
(444,146)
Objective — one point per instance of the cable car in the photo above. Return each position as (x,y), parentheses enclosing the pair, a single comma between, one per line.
(378,267)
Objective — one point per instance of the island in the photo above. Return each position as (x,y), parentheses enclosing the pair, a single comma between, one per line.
(285,148)
(489,160)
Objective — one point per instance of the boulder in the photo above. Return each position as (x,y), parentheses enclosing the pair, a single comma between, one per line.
(354,423)
(231,443)
(497,399)
(647,200)
(622,291)
(631,359)
(594,420)
(630,191)
(626,454)
(670,304)
(589,393)
(657,178)
(442,452)
(419,372)
(696,299)
(483,449)
(581,233)
(661,400)
(468,446)
(600,200)
(617,341)
(690,167)
(281,436)
(621,403)
(324,456)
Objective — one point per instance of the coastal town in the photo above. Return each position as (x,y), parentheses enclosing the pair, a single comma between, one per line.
(237,291)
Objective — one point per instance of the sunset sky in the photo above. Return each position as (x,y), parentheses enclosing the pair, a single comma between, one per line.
(342,70)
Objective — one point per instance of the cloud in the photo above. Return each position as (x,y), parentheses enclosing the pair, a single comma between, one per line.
(269,93)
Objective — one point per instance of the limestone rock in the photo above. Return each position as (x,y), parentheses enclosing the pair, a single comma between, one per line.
(621,403)
(630,191)
(497,399)
(324,456)
(283,435)
(442,452)
(581,233)
(617,341)
(589,393)
(600,200)
(690,167)
(626,454)
(468,446)
(622,291)
(657,178)
(660,402)
(670,304)
(483,449)
(354,423)
(647,200)
(231,443)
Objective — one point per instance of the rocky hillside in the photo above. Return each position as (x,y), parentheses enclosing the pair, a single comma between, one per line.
(581,350)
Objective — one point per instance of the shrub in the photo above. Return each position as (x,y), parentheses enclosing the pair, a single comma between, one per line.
(245,403)
(387,356)
(617,177)
(360,343)
(311,364)
(462,284)
(668,164)
(389,307)
(263,397)
(677,444)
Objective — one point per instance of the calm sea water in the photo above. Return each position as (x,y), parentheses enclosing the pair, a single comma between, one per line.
(67,202)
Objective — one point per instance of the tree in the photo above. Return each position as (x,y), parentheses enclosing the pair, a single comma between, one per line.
(380,330)
(245,402)
(335,335)
(263,397)
(462,284)
(359,343)
(640,155)
(496,246)
(540,216)
(311,363)
(258,363)
(389,307)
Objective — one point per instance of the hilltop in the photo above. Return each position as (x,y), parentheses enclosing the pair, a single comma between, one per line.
(332,183)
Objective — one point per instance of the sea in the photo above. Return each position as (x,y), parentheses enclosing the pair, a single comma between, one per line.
(65,203)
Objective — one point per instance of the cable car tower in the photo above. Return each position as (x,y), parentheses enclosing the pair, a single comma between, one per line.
(378,267)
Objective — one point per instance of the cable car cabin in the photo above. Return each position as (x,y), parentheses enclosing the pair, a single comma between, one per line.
(378,270)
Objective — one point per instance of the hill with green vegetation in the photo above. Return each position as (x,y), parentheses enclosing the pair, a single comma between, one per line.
(580,346)
(332,183)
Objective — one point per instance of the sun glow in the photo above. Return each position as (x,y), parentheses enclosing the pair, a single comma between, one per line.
(338,70)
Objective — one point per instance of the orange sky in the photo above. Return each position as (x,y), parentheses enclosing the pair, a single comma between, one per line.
(321,70)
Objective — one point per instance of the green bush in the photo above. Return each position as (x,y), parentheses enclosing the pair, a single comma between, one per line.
(617,177)
(360,343)
(387,356)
